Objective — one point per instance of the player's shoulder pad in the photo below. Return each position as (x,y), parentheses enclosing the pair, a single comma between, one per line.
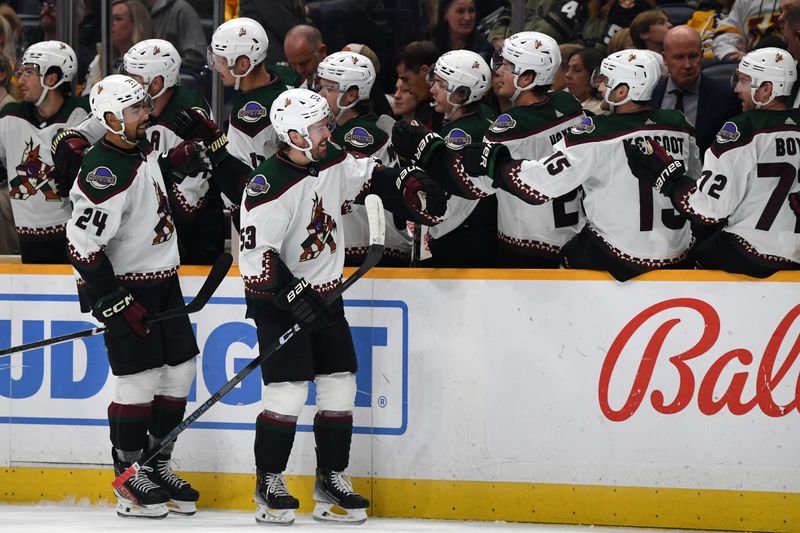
(672,118)
(565,103)
(741,129)
(505,123)
(16,109)
(269,181)
(105,172)
(463,131)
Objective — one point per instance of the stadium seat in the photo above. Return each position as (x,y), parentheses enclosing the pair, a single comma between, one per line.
(678,13)
(721,71)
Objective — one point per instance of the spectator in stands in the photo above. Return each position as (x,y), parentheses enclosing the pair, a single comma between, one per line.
(581,65)
(567,51)
(9,241)
(608,17)
(304,50)
(455,29)
(7,45)
(413,63)
(687,90)
(620,41)
(706,20)
(277,17)
(648,30)
(17,31)
(560,19)
(177,22)
(790,28)
(405,103)
(130,23)
(736,33)
(47,31)
(6,72)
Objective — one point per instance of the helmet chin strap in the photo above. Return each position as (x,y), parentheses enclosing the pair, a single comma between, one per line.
(519,89)
(342,108)
(758,104)
(306,151)
(614,105)
(453,108)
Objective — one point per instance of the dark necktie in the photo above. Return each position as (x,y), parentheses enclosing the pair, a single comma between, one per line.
(678,98)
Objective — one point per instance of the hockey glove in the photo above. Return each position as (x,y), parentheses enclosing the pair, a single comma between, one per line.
(483,159)
(184,160)
(304,304)
(68,148)
(794,203)
(421,193)
(121,314)
(193,124)
(652,164)
(415,142)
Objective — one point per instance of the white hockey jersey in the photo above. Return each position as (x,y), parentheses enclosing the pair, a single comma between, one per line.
(288,210)
(748,173)
(121,210)
(748,22)
(636,223)
(39,212)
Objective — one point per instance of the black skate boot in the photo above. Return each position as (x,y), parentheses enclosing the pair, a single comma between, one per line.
(275,504)
(334,489)
(139,496)
(182,495)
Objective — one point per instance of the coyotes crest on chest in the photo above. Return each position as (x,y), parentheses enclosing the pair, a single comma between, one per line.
(320,232)
(32,176)
(165,227)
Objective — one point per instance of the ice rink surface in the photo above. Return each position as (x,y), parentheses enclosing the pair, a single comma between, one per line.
(65,519)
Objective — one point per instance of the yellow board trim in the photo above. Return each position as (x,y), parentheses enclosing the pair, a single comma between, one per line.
(457,500)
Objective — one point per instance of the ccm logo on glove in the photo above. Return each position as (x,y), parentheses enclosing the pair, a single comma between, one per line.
(118,307)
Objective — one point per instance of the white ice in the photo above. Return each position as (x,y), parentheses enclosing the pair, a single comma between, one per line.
(75,519)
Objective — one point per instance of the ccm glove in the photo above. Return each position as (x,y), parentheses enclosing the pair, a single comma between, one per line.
(184,160)
(652,164)
(483,159)
(412,141)
(421,193)
(68,148)
(194,124)
(304,304)
(121,314)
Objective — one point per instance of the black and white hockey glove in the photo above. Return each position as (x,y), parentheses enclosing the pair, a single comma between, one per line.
(654,165)
(304,304)
(186,159)
(68,148)
(421,194)
(121,314)
(416,142)
(194,124)
(484,159)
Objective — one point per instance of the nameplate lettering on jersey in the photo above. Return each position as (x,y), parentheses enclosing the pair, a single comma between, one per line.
(359,137)
(251,112)
(673,145)
(101,178)
(502,123)
(257,185)
(557,136)
(586,125)
(728,133)
(457,139)
(788,146)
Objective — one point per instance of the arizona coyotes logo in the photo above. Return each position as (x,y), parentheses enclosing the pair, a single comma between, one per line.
(288,102)
(476,65)
(778,58)
(32,177)
(165,227)
(62,46)
(156,50)
(537,44)
(99,89)
(355,60)
(320,232)
(631,57)
(242,32)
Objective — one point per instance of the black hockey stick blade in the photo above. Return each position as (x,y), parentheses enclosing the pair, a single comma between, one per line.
(215,277)
(377,232)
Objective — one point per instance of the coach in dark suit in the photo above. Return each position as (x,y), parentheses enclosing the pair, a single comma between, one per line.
(707,103)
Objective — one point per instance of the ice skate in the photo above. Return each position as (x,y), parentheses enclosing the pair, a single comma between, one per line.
(183,496)
(275,505)
(139,497)
(336,501)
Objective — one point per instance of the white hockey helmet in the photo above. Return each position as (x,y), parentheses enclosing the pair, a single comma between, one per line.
(769,64)
(530,50)
(296,110)
(238,37)
(348,69)
(467,75)
(114,94)
(47,54)
(638,69)
(151,58)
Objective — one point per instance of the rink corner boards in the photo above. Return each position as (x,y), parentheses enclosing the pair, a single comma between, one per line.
(705,509)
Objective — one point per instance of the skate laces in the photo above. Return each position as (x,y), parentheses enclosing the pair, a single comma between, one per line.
(142,482)
(340,482)
(166,473)
(276,485)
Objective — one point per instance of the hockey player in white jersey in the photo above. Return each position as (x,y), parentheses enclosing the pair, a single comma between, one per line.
(40,209)
(528,236)
(345,80)
(628,230)
(197,205)
(292,254)
(748,173)
(121,241)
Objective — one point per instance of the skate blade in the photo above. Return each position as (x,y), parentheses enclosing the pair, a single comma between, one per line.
(128,509)
(275,517)
(328,512)
(181,508)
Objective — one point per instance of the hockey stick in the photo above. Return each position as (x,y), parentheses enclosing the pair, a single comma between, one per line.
(215,277)
(374,253)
